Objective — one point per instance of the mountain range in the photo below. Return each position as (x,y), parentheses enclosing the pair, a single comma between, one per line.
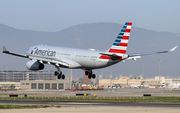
(99,36)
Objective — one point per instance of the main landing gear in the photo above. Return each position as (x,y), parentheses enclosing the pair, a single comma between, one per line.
(90,74)
(59,73)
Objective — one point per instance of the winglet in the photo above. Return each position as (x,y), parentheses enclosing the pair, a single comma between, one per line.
(173,48)
(4,49)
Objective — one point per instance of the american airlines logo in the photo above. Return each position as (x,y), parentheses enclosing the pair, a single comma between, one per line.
(44,52)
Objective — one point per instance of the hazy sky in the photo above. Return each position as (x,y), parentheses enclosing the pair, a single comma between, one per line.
(55,15)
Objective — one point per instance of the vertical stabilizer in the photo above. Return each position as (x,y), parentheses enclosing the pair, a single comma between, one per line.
(120,44)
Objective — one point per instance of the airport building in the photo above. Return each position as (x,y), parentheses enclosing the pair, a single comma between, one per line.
(45,85)
(128,81)
(44,80)
(17,76)
(123,81)
(32,80)
(8,85)
(172,83)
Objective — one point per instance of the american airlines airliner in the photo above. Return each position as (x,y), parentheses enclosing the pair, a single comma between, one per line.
(87,60)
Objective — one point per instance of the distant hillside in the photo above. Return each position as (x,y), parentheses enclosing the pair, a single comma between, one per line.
(98,36)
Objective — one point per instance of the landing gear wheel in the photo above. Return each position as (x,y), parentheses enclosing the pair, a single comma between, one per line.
(89,76)
(86,73)
(60,73)
(56,73)
(93,76)
(59,76)
(63,76)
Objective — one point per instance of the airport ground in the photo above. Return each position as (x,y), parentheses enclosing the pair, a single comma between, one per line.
(95,110)
(97,107)
(122,92)
(94,106)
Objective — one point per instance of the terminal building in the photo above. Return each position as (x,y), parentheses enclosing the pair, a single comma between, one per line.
(45,85)
(17,76)
(7,85)
(32,80)
(172,83)
(45,80)
(128,81)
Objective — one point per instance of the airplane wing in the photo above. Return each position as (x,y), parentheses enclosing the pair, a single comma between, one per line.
(40,59)
(12,53)
(56,62)
(116,56)
(52,61)
(138,55)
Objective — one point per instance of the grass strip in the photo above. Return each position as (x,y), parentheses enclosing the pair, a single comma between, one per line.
(25,106)
(22,93)
(118,99)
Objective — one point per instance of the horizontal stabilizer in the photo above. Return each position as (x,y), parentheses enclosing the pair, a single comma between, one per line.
(114,56)
(134,57)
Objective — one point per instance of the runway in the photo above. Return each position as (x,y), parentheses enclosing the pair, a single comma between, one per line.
(88,103)
(122,92)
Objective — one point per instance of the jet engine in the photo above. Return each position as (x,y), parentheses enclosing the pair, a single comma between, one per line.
(34,65)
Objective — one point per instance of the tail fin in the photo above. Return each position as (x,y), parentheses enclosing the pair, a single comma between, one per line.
(121,42)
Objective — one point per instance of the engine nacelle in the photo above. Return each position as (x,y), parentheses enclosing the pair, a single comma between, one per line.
(34,65)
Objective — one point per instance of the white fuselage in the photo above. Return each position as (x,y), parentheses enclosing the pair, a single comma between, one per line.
(76,58)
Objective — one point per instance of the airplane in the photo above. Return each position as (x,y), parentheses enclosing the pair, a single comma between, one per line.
(135,86)
(74,58)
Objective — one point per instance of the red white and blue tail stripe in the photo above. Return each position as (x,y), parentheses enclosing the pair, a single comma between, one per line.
(121,42)
(119,46)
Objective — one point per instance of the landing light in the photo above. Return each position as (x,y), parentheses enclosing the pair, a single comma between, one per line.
(92,49)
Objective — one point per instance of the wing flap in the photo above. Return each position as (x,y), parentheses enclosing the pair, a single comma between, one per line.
(57,62)
(50,61)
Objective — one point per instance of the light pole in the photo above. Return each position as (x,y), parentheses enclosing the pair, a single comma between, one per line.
(159,69)
(111,76)
(71,75)
(7,67)
(142,69)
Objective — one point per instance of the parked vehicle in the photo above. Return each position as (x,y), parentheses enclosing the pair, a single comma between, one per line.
(100,88)
(90,88)
(116,87)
